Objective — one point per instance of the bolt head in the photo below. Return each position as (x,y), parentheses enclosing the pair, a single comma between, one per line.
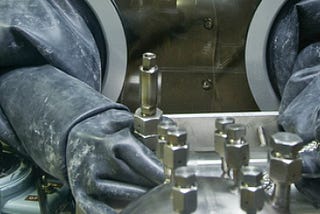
(236,131)
(148,61)
(251,176)
(177,136)
(146,125)
(237,155)
(184,177)
(165,125)
(285,170)
(184,200)
(252,199)
(222,122)
(286,143)
(175,156)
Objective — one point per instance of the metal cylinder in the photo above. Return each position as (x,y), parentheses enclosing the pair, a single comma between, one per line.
(285,167)
(236,149)
(220,138)
(281,197)
(184,191)
(148,85)
(164,126)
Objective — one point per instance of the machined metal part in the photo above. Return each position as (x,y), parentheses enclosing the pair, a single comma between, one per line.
(115,45)
(184,191)
(220,138)
(148,85)
(163,127)
(175,153)
(285,167)
(200,127)
(256,51)
(236,149)
(251,190)
(147,117)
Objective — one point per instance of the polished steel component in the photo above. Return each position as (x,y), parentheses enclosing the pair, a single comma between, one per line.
(163,127)
(147,117)
(175,153)
(146,128)
(285,167)
(236,149)
(184,191)
(201,126)
(251,190)
(148,85)
(220,138)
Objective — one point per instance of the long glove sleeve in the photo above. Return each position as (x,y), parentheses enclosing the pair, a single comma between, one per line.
(42,105)
(77,135)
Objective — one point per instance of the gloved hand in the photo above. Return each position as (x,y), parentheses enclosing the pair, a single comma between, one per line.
(79,136)
(106,162)
(295,65)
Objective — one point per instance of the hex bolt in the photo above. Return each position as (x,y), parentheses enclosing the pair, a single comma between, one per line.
(184,191)
(163,127)
(220,139)
(148,84)
(251,190)
(236,149)
(147,117)
(285,167)
(175,152)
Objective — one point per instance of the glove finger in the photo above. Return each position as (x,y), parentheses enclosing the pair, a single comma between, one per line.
(108,189)
(89,205)
(140,159)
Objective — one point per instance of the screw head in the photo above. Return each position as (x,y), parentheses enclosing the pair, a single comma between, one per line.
(236,131)
(184,177)
(148,61)
(177,136)
(287,144)
(251,176)
(222,122)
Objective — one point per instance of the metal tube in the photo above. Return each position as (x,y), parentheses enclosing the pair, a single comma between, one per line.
(148,85)
(281,197)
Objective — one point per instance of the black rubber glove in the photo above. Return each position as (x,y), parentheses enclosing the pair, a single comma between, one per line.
(106,162)
(68,128)
(294,56)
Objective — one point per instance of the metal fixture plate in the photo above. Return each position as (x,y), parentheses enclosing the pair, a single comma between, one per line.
(201,127)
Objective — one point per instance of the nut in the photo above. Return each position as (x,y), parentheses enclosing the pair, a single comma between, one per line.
(285,170)
(164,125)
(148,60)
(222,122)
(146,125)
(237,155)
(184,199)
(252,199)
(287,144)
(177,137)
(251,176)
(184,177)
(220,137)
(175,156)
(235,131)
(149,141)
